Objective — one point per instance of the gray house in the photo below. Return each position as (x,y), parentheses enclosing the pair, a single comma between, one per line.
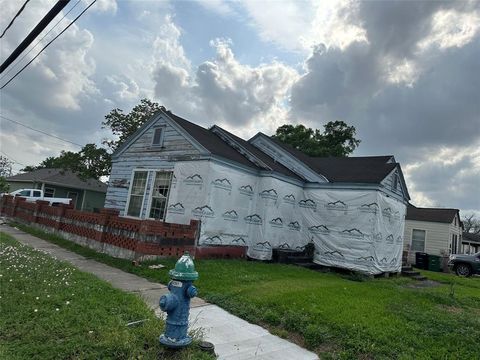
(262,194)
(87,194)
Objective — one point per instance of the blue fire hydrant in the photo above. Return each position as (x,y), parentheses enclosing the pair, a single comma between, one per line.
(177,303)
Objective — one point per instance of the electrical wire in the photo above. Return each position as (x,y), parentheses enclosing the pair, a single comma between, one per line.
(10,68)
(14,18)
(51,41)
(40,131)
(11,159)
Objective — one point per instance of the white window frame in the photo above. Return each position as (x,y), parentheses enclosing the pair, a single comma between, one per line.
(424,240)
(150,196)
(162,136)
(127,204)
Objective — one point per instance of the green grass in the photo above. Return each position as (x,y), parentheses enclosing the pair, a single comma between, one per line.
(336,316)
(50,310)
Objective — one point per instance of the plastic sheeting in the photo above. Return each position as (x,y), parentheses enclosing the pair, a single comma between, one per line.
(358,230)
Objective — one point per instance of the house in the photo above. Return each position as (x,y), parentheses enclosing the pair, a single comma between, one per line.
(434,231)
(470,243)
(87,194)
(262,194)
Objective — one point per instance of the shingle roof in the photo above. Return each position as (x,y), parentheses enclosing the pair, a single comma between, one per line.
(471,237)
(60,177)
(217,146)
(358,169)
(431,214)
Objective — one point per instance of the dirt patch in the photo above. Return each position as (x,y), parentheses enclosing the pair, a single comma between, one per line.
(451,309)
(423,284)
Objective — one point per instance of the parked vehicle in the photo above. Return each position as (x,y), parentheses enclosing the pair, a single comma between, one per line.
(465,265)
(36,194)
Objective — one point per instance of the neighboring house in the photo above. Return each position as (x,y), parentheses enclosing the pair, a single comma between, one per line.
(87,194)
(470,243)
(262,194)
(434,231)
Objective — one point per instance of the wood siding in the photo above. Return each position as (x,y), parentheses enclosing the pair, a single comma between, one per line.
(388,182)
(437,236)
(142,155)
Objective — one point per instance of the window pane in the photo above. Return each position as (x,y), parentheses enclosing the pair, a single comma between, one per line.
(161,188)
(418,240)
(36,193)
(157,136)
(134,206)
(137,191)
(49,192)
(24,193)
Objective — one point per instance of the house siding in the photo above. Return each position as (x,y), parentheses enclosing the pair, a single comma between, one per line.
(141,155)
(387,183)
(437,237)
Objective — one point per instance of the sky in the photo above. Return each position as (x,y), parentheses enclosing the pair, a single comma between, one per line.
(406,74)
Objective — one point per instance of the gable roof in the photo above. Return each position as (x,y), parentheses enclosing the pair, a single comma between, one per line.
(213,143)
(431,214)
(358,169)
(60,177)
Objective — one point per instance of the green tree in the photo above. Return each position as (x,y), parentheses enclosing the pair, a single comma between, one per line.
(5,166)
(4,186)
(337,139)
(90,162)
(123,125)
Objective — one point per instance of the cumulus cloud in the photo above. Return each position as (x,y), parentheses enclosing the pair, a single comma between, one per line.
(410,88)
(222,90)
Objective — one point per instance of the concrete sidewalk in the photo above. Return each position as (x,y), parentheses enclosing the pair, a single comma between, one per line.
(233,337)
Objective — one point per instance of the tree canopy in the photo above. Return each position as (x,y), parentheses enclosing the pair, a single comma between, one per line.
(337,139)
(90,162)
(123,125)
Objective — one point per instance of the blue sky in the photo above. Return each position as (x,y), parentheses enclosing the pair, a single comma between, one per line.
(405,74)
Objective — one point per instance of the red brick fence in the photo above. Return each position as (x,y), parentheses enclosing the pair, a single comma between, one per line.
(109,233)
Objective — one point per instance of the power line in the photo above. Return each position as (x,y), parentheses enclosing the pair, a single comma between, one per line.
(14,18)
(11,159)
(54,11)
(39,41)
(40,131)
(51,41)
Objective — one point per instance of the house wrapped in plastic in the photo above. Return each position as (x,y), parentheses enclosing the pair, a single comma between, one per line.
(262,194)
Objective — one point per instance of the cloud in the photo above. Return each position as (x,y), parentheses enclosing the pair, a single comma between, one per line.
(410,88)
(223,90)
(446,177)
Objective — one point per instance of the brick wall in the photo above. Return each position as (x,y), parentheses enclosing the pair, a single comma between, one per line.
(118,236)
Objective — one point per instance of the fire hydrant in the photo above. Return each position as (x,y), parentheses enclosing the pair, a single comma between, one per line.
(177,303)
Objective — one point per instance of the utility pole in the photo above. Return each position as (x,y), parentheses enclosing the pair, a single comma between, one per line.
(34,33)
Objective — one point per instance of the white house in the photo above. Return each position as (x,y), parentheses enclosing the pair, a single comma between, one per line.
(433,231)
(262,194)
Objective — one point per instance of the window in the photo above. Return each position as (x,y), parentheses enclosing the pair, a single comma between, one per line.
(37,193)
(395,182)
(24,193)
(49,192)
(160,191)
(158,137)
(137,192)
(454,244)
(418,240)
(73,195)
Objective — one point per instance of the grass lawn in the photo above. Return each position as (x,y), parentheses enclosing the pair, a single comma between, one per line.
(50,310)
(336,316)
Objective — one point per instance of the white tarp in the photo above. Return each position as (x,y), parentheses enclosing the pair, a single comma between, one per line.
(359,230)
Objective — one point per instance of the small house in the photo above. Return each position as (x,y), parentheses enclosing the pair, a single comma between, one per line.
(86,194)
(435,231)
(262,194)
